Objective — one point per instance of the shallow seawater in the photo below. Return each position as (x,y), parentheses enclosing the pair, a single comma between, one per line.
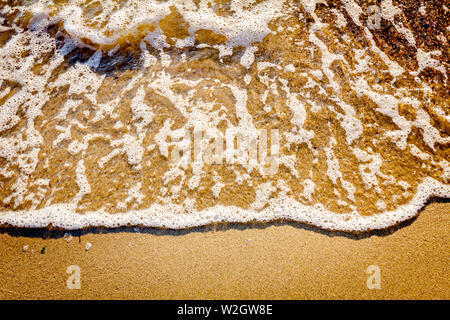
(181,113)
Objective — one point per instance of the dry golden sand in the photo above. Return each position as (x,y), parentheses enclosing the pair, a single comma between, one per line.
(281,261)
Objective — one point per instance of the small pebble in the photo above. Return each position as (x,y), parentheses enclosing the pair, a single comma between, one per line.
(25,248)
(88,246)
(68,237)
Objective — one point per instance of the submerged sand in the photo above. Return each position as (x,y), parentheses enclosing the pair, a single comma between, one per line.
(89,125)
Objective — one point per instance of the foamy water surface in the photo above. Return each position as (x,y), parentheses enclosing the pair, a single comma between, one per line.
(95,96)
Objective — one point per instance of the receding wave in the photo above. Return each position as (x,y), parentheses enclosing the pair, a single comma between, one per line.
(182,113)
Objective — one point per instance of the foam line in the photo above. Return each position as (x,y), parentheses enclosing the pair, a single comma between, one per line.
(174,217)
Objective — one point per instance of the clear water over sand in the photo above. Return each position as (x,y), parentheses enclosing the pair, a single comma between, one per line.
(96,96)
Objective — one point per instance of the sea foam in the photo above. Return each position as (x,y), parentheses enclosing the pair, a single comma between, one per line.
(363,137)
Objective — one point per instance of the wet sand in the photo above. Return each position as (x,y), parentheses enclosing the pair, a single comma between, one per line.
(273,261)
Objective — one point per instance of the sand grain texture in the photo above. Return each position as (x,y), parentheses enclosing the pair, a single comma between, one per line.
(281,261)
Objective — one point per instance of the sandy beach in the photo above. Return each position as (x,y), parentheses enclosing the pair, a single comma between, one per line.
(273,261)
(144,126)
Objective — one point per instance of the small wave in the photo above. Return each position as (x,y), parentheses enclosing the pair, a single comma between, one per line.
(103,104)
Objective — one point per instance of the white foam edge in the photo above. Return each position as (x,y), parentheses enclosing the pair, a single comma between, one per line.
(172,217)
(241,29)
